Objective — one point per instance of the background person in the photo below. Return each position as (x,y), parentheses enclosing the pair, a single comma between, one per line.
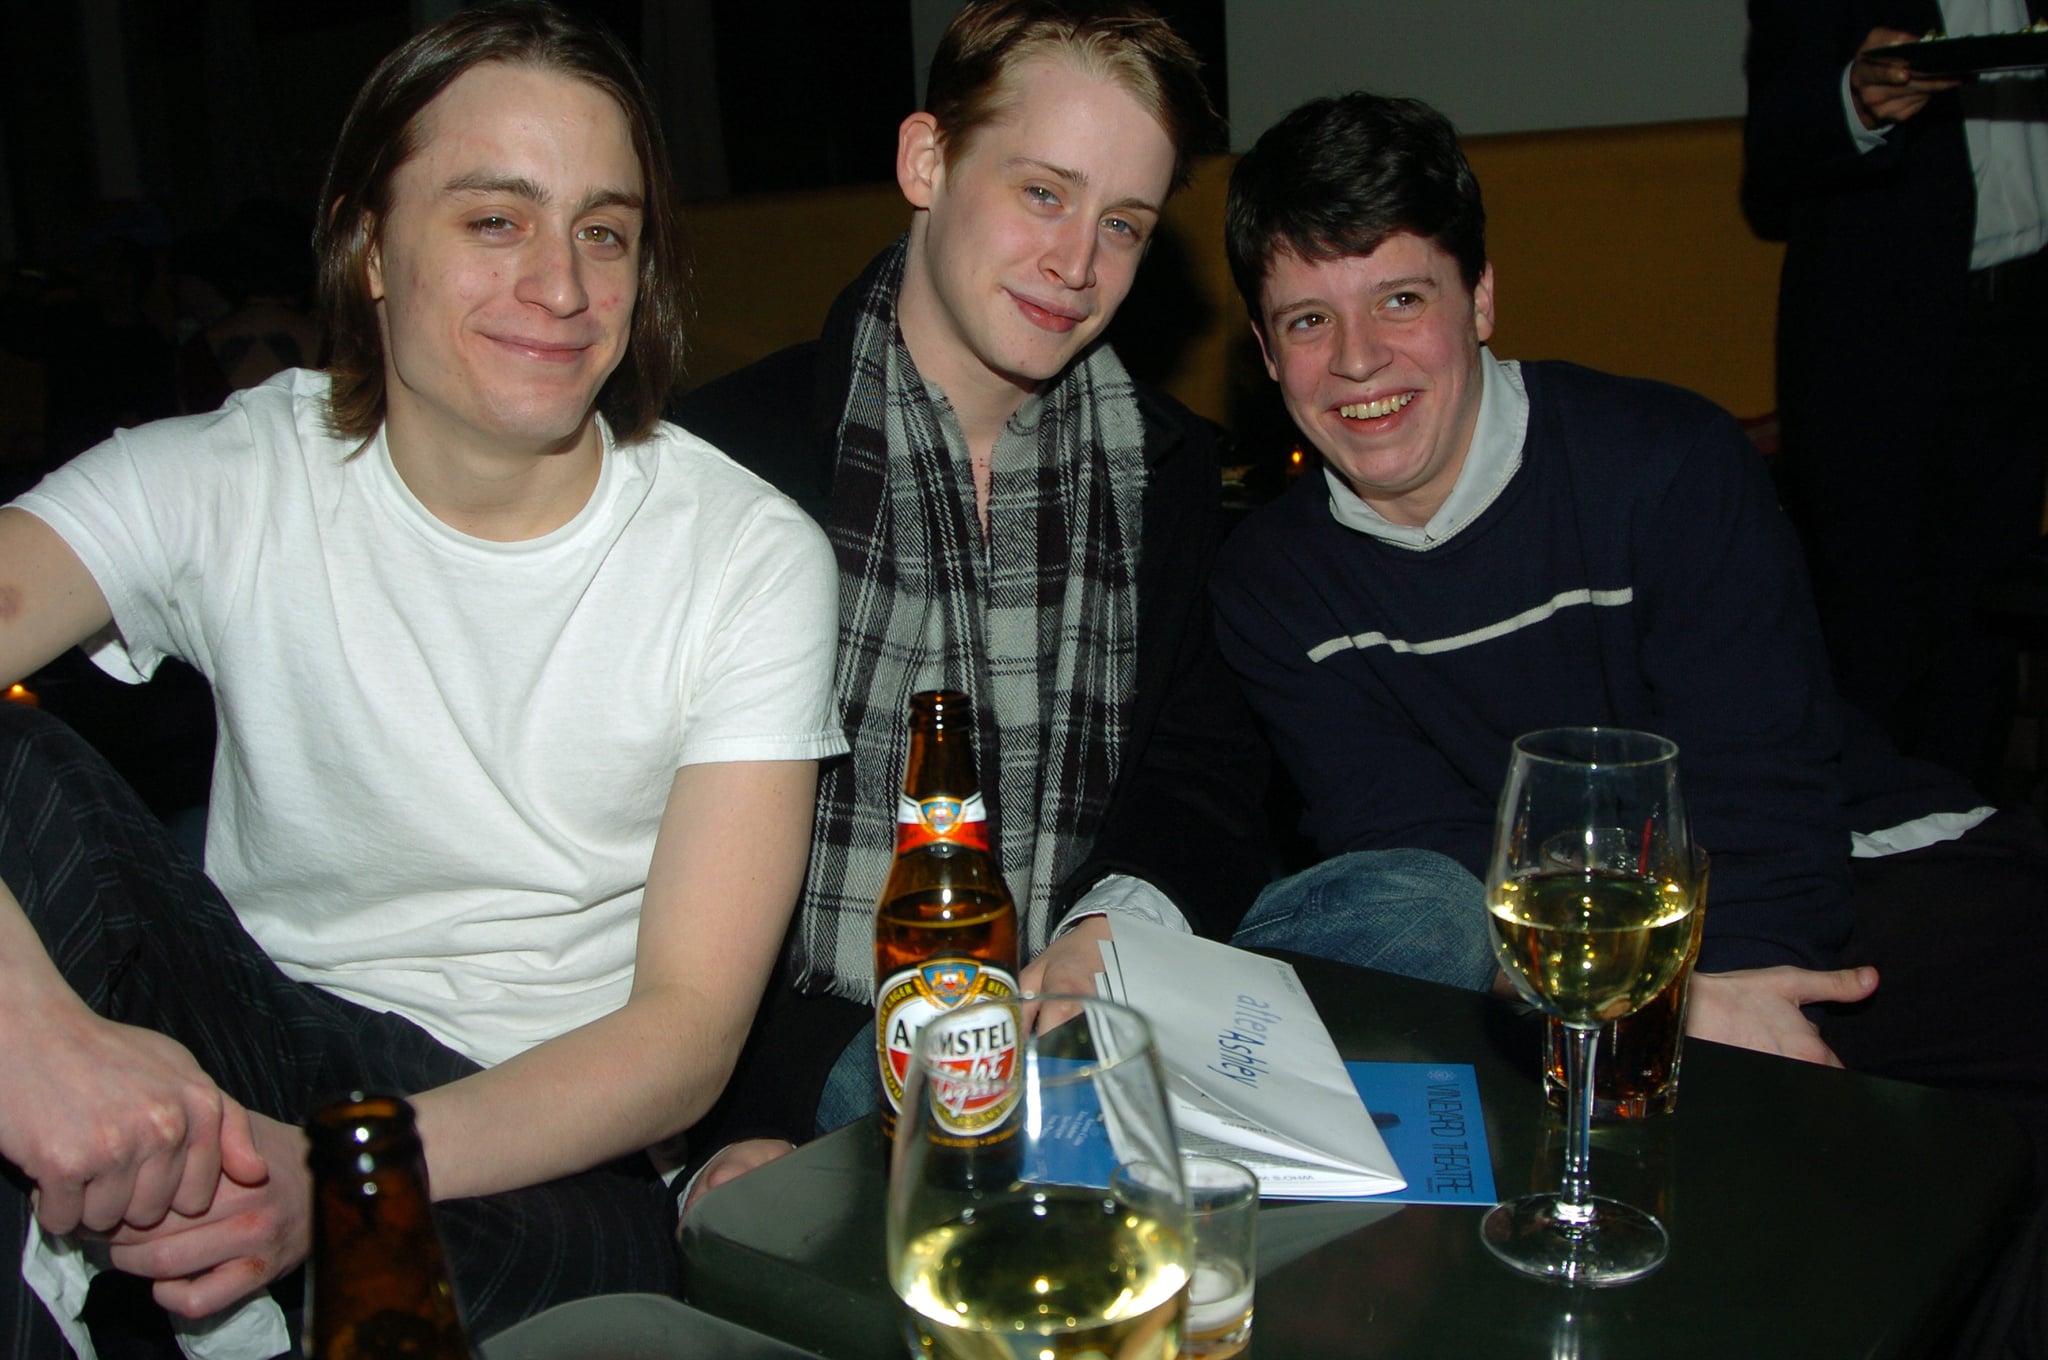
(1910,349)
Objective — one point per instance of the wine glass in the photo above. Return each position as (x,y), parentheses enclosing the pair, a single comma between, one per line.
(1011,1235)
(1591,894)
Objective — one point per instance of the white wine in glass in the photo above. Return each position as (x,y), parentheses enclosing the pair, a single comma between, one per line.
(1591,893)
(1592,944)
(1010,1235)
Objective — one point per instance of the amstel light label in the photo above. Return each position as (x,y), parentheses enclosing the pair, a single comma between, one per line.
(978,1049)
(961,821)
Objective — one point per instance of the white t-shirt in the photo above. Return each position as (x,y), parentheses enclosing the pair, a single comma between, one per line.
(443,760)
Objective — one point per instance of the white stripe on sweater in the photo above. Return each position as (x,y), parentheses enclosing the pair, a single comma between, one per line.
(1563,600)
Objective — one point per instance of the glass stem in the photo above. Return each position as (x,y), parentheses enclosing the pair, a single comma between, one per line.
(1574,1199)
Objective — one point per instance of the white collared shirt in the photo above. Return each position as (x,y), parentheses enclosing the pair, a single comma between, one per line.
(1498,434)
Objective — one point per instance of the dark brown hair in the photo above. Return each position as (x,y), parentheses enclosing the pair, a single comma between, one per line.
(1123,42)
(382,133)
(1338,176)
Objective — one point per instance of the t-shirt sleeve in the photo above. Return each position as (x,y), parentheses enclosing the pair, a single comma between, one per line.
(148,513)
(763,690)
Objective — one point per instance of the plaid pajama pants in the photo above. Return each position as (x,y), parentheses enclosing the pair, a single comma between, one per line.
(143,936)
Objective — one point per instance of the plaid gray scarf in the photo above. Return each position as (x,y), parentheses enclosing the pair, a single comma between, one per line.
(1039,625)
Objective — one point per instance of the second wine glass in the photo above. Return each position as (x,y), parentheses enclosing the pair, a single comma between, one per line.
(1591,893)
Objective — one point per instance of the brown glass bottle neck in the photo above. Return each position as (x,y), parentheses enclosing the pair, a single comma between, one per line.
(941,763)
(379,1285)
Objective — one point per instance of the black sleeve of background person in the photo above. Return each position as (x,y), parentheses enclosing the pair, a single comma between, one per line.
(749,416)
(1954,930)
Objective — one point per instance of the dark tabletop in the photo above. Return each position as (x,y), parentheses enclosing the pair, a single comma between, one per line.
(631,1327)
(1813,1213)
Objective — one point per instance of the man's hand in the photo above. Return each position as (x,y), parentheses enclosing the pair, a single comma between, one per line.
(1070,963)
(1067,967)
(1758,1008)
(1886,91)
(736,1160)
(115,1124)
(249,1235)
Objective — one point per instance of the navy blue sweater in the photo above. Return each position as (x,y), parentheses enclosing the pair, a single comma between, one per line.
(1636,571)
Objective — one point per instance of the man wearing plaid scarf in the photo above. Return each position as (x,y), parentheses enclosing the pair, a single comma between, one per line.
(1013,517)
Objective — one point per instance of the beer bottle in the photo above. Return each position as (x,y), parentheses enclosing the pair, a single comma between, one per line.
(945,928)
(378,1288)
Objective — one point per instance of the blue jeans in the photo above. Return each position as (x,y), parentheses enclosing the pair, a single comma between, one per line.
(854,1085)
(1414,912)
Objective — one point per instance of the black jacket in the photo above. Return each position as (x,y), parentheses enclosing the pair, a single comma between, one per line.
(1187,811)
(1875,290)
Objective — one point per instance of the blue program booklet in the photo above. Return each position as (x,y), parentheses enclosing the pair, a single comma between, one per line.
(1252,1074)
(1428,1116)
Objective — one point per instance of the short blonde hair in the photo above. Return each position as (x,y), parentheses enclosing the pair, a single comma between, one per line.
(1123,42)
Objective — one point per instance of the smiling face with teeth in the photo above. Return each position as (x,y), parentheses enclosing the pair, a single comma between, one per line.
(1377,357)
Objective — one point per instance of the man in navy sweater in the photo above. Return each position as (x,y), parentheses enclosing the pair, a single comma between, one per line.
(1495,548)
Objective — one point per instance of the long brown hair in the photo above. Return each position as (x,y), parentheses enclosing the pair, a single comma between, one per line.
(382,133)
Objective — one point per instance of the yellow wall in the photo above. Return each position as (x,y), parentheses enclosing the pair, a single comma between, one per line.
(1625,249)
(1621,248)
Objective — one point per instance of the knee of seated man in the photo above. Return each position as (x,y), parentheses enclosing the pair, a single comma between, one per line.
(1368,884)
(1411,911)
